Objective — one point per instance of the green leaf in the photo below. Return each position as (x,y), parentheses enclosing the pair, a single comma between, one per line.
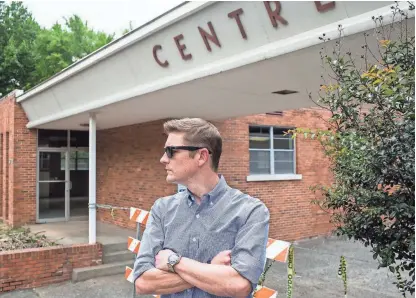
(31,54)
(371,150)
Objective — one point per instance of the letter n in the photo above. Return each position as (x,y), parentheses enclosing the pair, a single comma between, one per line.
(211,36)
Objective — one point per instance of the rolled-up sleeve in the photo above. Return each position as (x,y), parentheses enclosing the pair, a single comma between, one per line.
(248,257)
(151,242)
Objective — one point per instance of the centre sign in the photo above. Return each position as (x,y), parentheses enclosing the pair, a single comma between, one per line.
(273,9)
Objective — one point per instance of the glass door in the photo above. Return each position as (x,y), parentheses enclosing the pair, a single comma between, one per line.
(53,185)
(79,175)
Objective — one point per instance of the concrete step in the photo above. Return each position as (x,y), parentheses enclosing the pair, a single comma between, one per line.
(113,247)
(81,274)
(118,256)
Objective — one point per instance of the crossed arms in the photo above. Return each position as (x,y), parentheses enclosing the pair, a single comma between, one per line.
(221,278)
(190,273)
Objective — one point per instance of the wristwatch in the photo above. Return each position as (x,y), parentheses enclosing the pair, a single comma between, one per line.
(173,259)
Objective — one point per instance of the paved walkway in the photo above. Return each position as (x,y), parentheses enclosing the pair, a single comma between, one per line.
(316,264)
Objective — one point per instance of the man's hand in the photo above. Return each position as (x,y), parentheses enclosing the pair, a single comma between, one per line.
(222,258)
(161,259)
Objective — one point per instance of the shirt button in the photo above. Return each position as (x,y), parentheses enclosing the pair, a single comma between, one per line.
(197,216)
(194,239)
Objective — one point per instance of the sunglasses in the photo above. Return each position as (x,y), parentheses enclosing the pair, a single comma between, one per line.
(170,150)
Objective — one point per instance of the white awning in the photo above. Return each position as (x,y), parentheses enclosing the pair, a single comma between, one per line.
(213,60)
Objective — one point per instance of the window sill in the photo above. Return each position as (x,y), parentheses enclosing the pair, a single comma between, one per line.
(279,177)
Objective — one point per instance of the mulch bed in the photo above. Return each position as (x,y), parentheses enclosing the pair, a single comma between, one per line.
(21,238)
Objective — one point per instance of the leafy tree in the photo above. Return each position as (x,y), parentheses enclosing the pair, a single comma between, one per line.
(31,54)
(370,143)
(60,46)
(18,31)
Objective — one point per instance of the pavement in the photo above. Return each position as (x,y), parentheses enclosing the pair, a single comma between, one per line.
(316,266)
(76,231)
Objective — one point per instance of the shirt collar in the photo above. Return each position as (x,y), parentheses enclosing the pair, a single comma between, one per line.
(213,195)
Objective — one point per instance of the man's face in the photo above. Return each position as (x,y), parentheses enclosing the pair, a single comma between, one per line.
(180,166)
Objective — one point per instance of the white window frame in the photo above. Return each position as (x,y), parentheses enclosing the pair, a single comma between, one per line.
(273,176)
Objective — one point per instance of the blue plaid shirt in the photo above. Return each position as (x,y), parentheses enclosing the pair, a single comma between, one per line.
(226,219)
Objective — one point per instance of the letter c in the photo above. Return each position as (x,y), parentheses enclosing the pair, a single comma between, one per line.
(155,49)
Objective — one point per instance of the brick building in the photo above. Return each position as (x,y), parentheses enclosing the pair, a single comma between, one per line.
(129,172)
(93,133)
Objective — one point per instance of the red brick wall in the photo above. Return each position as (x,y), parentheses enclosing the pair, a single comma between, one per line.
(6,132)
(18,166)
(292,216)
(24,164)
(129,173)
(37,267)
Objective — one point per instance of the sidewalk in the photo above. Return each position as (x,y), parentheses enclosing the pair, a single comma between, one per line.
(316,265)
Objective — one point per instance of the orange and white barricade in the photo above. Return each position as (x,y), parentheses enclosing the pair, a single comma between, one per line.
(139,215)
(277,250)
(133,245)
(129,276)
(264,292)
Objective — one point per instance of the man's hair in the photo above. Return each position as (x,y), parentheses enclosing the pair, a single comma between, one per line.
(198,132)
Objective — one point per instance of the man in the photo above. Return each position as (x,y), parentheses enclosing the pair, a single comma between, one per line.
(207,241)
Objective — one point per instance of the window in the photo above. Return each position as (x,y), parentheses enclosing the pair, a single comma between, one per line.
(52,138)
(78,161)
(44,161)
(271,151)
(59,138)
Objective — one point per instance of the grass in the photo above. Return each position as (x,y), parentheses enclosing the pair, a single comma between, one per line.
(21,238)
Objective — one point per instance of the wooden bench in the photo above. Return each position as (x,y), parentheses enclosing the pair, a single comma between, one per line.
(277,250)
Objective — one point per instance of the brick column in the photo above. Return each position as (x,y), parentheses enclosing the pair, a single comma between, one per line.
(24,164)
(18,164)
